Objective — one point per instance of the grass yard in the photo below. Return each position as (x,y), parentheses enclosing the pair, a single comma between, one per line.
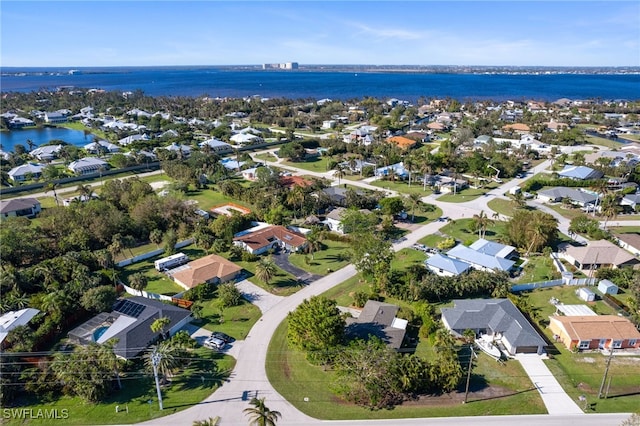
(318,164)
(282,284)
(186,390)
(502,206)
(538,268)
(295,379)
(539,299)
(236,321)
(208,198)
(582,373)
(402,187)
(407,257)
(568,212)
(331,258)
(467,194)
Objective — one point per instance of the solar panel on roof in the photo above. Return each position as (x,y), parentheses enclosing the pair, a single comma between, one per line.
(127,307)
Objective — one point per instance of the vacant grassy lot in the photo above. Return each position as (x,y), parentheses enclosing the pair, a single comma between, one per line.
(208,198)
(467,194)
(402,187)
(331,258)
(319,164)
(502,206)
(185,390)
(538,268)
(236,321)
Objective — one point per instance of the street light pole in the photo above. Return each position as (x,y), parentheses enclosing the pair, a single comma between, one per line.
(155,360)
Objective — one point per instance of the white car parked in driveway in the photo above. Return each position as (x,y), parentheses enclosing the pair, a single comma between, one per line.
(214,343)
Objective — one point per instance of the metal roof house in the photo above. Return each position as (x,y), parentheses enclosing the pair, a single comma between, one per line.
(481,261)
(580,173)
(497,317)
(445,266)
(493,248)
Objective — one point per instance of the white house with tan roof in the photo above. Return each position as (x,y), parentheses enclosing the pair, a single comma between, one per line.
(209,269)
(595,332)
(596,255)
(262,239)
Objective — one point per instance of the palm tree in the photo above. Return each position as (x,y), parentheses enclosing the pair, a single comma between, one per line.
(50,186)
(314,239)
(339,172)
(108,357)
(414,200)
(159,325)
(167,358)
(138,281)
(480,223)
(265,270)
(260,414)
(610,208)
(295,198)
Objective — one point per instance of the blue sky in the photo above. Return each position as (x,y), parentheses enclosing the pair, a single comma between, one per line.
(138,33)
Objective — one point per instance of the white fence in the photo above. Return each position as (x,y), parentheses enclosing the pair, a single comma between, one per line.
(553,283)
(152,253)
(146,294)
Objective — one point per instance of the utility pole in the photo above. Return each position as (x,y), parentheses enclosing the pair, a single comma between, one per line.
(606,371)
(155,360)
(471,356)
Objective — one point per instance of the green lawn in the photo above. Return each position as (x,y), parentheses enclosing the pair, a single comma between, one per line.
(158,282)
(582,373)
(467,194)
(236,321)
(538,268)
(295,379)
(568,212)
(318,164)
(502,206)
(208,198)
(331,258)
(186,390)
(402,187)
(282,284)
(407,257)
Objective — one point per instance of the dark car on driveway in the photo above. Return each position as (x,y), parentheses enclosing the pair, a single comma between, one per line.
(222,336)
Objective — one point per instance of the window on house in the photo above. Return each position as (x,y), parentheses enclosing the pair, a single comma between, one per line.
(632,342)
(617,344)
(602,343)
(584,344)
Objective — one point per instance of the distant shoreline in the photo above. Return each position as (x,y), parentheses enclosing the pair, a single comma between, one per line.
(416,69)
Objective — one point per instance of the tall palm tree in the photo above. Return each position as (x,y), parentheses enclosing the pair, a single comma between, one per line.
(414,200)
(610,208)
(265,270)
(260,414)
(480,223)
(138,281)
(50,186)
(339,172)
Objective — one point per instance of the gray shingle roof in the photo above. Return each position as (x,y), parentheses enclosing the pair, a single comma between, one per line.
(498,315)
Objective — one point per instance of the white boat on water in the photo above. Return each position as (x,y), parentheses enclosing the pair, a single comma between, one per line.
(486,345)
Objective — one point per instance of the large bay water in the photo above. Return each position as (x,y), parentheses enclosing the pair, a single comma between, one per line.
(199,81)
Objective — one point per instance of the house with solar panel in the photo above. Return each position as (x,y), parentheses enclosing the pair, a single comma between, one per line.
(130,323)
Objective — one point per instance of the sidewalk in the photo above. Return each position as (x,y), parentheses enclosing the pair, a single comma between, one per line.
(554,397)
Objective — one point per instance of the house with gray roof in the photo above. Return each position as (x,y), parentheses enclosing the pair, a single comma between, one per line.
(497,317)
(46,153)
(130,322)
(631,200)
(577,197)
(216,145)
(20,173)
(580,173)
(378,319)
(18,207)
(445,266)
(480,261)
(88,165)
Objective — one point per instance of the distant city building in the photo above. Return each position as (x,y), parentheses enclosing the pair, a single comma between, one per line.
(281,66)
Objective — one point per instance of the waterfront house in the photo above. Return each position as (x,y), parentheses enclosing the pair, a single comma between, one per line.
(55,117)
(46,153)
